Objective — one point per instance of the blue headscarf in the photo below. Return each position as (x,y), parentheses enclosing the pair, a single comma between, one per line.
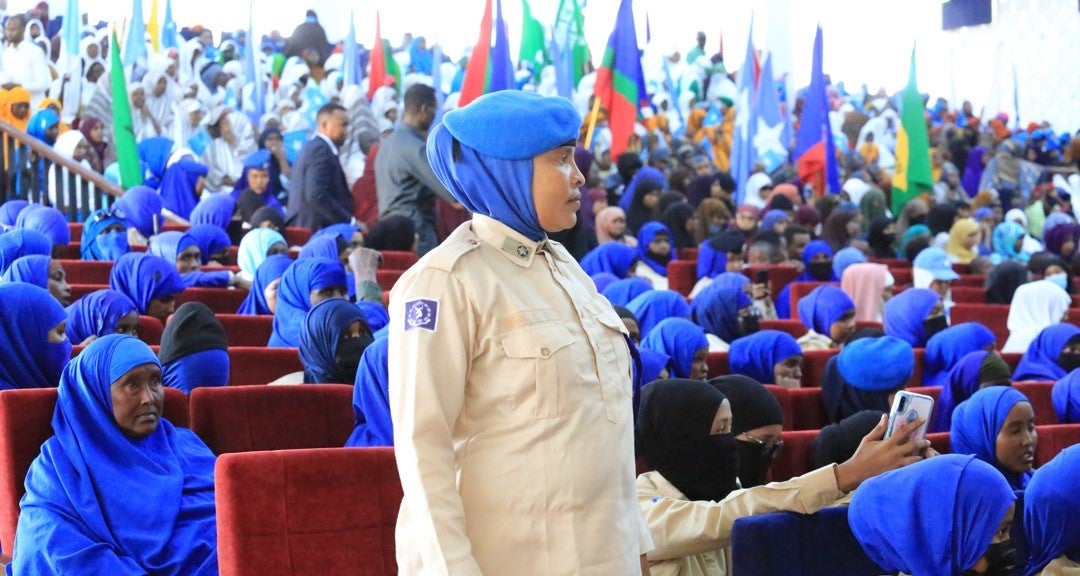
(1066,398)
(716,309)
(217,210)
(323,327)
(371,398)
(824,306)
(624,291)
(679,339)
(97,314)
(612,257)
(1040,362)
(769,220)
(9,213)
(1004,241)
(22,242)
(27,358)
(294,296)
(375,314)
(154,153)
(142,206)
(976,423)
(47,220)
(178,186)
(646,235)
(321,247)
(603,280)
(644,173)
(904,315)
(732,280)
(812,249)
(713,253)
(40,122)
(210,240)
(489,169)
(272,268)
(654,306)
(953,505)
(254,247)
(963,382)
(345,230)
(99,245)
(29,269)
(756,355)
(947,347)
(420,59)
(144,277)
(844,258)
(169,245)
(194,349)
(79,490)
(1050,511)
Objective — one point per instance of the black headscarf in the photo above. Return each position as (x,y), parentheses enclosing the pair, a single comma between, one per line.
(842,399)
(668,199)
(881,246)
(268,214)
(396,233)
(752,407)
(638,214)
(673,435)
(675,218)
(192,328)
(728,242)
(1003,281)
(837,443)
(700,188)
(941,218)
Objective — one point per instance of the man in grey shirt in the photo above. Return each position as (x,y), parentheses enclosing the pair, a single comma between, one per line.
(404,181)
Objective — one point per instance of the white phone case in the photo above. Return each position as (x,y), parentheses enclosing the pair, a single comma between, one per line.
(908,407)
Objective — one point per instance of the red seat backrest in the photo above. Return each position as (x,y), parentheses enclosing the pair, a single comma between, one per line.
(902,277)
(1074,315)
(940,441)
(800,289)
(246,330)
(688,253)
(780,275)
(261,365)
(326,511)
(814,362)
(25,424)
(1053,439)
(80,290)
(718,364)
(682,275)
(807,409)
(76,230)
(782,396)
(296,236)
(931,391)
(970,280)
(250,418)
(1039,395)
(917,375)
(969,294)
(396,260)
(387,278)
(220,300)
(87,271)
(794,459)
(1011,358)
(892,262)
(150,330)
(793,327)
(993,316)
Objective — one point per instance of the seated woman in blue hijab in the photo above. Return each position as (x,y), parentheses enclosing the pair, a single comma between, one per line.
(217,210)
(1054,353)
(656,248)
(334,337)
(104,236)
(152,283)
(829,314)
(914,316)
(34,346)
(9,213)
(100,313)
(1066,398)
(726,313)
(43,272)
(656,305)
(255,247)
(1051,508)
(684,343)
(717,255)
(997,425)
(182,185)
(817,258)
(946,348)
(213,243)
(194,350)
(154,153)
(371,398)
(957,511)
(612,257)
(180,247)
(865,390)
(47,220)
(305,283)
(768,356)
(624,291)
(22,242)
(603,280)
(258,184)
(975,371)
(117,489)
(267,279)
(142,206)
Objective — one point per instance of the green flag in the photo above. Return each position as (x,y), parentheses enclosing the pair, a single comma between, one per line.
(392,67)
(533,46)
(570,31)
(127,152)
(914,174)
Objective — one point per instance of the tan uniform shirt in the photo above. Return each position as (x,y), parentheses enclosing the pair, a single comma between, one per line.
(814,341)
(692,537)
(510,394)
(1061,567)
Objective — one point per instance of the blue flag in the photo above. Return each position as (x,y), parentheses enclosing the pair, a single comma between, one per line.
(168,29)
(294,143)
(352,73)
(313,100)
(769,145)
(502,69)
(71,28)
(437,83)
(743,154)
(252,72)
(562,57)
(814,127)
(199,141)
(675,91)
(135,47)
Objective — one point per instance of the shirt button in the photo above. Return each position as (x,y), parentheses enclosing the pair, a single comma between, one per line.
(545,352)
(473,242)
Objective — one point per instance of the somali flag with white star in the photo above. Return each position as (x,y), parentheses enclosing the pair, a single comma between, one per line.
(769,141)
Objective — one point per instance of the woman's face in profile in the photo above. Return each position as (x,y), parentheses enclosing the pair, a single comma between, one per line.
(555,184)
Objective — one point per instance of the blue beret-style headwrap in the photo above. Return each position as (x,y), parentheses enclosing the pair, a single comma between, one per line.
(679,339)
(756,355)
(371,398)
(97,314)
(824,306)
(144,277)
(654,306)
(877,364)
(47,220)
(904,315)
(1050,511)
(976,423)
(947,347)
(612,257)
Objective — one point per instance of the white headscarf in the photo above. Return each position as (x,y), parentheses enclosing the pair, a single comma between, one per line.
(1035,306)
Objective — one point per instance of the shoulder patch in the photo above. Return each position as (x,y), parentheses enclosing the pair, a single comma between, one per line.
(422,314)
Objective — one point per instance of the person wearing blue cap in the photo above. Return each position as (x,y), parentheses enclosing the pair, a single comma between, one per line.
(882,365)
(932,269)
(829,314)
(501,354)
(250,191)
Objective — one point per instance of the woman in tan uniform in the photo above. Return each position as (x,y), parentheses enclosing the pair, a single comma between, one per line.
(510,376)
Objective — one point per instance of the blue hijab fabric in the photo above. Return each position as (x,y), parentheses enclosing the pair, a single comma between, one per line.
(178,186)
(646,235)
(644,173)
(205,368)
(40,122)
(29,269)
(953,505)
(904,315)
(371,398)
(947,347)
(813,249)
(47,220)
(97,314)
(22,242)
(757,354)
(844,258)
(375,314)
(323,327)
(655,306)
(624,291)
(9,213)
(679,339)
(98,245)
(217,210)
(976,423)
(963,381)
(1040,362)
(154,153)
(254,247)
(144,277)
(169,245)
(321,247)
(27,358)
(1051,509)
(142,207)
(603,280)
(79,490)
(823,307)
(271,269)
(1066,398)
(294,296)
(710,261)
(611,257)
(210,240)
(1004,241)
(716,309)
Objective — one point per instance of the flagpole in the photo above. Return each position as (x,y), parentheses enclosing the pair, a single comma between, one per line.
(592,123)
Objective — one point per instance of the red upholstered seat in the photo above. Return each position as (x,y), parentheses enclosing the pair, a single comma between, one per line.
(931,391)
(940,441)
(903,277)
(396,260)
(800,289)
(917,375)
(80,290)
(1074,314)
(245,330)
(869,324)
(1039,395)
(682,275)
(892,262)
(718,364)
(782,396)
(76,230)
(813,368)
(969,294)
(261,365)
(794,459)
(150,330)
(220,300)
(688,253)
(807,409)
(297,236)
(793,327)
(307,512)
(969,280)
(1053,439)
(250,418)
(87,271)
(993,316)
(25,424)
(1011,358)
(780,275)
(387,278)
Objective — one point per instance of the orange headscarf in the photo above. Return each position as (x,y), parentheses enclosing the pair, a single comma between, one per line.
(957,234)
(45,103)
(18,95)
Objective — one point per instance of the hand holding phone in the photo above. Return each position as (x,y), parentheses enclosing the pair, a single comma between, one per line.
(908,407)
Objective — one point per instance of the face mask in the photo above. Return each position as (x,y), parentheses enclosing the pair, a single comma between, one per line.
(888,239)
(753,465)
(1001,558)
(56,358)
(112,245)
(660,258)
(920,219)
(934,325)
(709,469)
(347,356)
(749,324)
(1061,280)
(715,229)
(821,270)
(1069,361)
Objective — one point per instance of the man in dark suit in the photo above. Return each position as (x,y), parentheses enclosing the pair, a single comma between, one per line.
(318,193)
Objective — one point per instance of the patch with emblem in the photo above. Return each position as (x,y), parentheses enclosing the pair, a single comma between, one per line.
(422,314)
(517,248)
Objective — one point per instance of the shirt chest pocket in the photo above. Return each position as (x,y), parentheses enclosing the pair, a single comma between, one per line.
(540,378)
(612,345)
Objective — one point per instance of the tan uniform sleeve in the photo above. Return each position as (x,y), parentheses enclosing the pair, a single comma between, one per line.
(428,370)
(684,528)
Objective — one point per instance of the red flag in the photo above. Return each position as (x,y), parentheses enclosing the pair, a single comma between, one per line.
(472,87)
(377,73)
(620,84)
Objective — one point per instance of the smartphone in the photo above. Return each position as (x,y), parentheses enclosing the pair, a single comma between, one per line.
(762,277)
(909,407)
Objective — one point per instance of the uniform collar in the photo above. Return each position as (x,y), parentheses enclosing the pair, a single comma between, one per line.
(510,243)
